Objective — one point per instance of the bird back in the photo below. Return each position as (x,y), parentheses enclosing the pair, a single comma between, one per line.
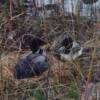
(32,65)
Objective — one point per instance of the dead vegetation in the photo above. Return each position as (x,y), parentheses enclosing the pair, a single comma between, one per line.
(60,74)
(64,80)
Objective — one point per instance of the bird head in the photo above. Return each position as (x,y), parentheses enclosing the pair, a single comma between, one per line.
(74,52)
(35,44)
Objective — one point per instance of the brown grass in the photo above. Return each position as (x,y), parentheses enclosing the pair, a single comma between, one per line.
(60,73)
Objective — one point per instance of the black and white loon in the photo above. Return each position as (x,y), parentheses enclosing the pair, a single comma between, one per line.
(68,49)
(34,63)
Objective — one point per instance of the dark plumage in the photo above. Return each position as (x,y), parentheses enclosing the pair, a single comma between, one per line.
(33,64)
(68,42)
(35,44)
(65,45)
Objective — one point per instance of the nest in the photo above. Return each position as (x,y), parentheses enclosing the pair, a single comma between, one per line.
(11,87)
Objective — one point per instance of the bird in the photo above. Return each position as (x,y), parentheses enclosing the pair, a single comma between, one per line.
(33,63)
(68,49)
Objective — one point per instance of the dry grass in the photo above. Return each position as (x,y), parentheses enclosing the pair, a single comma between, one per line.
(56,81)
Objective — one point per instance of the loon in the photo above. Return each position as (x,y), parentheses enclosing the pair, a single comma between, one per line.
(68,49)
(34,63)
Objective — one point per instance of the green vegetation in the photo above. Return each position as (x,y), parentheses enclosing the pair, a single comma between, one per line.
(38,95)
(73,91)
